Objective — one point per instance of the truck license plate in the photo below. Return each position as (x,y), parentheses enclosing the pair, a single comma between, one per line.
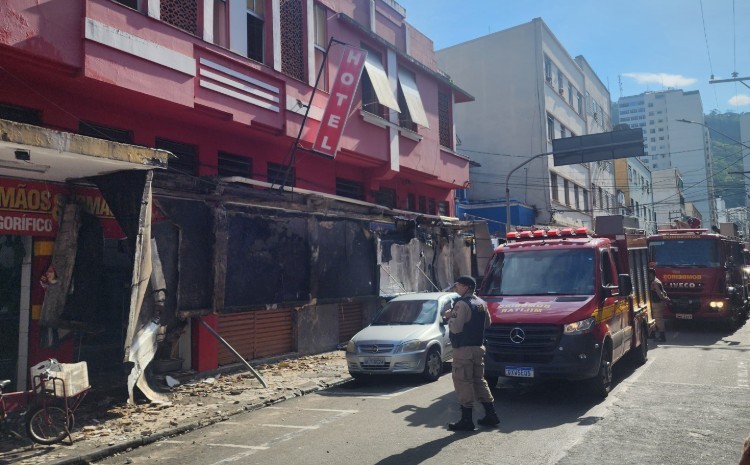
(377,361)
(519,372)
(683,316)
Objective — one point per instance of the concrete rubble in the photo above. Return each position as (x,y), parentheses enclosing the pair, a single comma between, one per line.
(107,425)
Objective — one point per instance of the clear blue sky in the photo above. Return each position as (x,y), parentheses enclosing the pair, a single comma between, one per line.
(636,45)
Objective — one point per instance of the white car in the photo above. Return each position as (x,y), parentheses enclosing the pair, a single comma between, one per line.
(407,336)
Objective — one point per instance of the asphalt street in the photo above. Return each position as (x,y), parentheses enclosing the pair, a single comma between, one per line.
(686,405)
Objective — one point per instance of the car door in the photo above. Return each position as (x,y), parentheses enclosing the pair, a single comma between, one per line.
(612,308)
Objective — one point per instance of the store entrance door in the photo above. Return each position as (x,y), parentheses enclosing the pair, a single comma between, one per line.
(11,261)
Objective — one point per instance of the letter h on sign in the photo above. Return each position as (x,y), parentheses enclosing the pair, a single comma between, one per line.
(340,102)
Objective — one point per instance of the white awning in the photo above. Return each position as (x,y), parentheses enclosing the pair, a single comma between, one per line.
(380,82)
(413,100)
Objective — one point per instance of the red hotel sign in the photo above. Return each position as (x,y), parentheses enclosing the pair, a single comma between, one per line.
(34,208)
(340,101)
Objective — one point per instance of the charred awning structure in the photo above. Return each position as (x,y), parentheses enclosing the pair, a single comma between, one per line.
(91,198)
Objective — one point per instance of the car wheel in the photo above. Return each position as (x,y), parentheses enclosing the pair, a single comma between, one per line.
(602,383)
(433,365)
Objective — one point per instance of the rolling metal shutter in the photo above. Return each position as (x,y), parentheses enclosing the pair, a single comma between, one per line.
(350,320)
(256,334)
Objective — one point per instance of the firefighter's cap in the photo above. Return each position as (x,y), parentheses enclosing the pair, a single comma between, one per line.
(467,281)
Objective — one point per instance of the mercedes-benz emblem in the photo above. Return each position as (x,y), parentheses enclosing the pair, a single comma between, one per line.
(375,349)
(517,335)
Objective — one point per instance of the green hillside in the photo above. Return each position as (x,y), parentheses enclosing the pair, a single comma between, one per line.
(727,157)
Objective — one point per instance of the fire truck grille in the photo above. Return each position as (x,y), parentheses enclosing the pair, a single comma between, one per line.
(685,304)
(533,343)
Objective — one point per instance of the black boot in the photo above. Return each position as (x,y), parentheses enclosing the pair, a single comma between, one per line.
(490,416)
(465,424)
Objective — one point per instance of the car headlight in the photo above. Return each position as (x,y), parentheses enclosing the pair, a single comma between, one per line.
(716,304)
(351,347)
(412,346)
(580,326)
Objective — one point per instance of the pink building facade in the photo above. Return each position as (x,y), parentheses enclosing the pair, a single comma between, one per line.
(272,245)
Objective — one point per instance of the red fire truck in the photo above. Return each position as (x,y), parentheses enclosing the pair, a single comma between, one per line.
(704,274)
(566,304)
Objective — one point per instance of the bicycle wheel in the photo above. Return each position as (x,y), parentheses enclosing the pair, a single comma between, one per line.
(49,425)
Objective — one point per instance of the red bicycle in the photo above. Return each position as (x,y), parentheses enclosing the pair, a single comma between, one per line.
(46,411)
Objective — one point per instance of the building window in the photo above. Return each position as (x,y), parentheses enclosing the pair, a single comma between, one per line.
(550,128)
(560,81)
(292,44)
(129,3)
(547,69)
(103,132)
(255,14)
(221,31)
(443,208)
(21,114)
(385,197)
(601,199)
(404,118)
(566,191)
(180,13)
(570,94)
(411,202)
(444,119)
(321,42)
(553,184)
(579,103)
(370,101)
(234,165)
(349,189)
(185,159)
(563,132)
(281,175)
(431,207)
(586,201)
(575,197)
(422,204)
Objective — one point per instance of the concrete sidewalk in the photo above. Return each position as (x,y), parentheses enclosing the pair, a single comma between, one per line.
(107,426)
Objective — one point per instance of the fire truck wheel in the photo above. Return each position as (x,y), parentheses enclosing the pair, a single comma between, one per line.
(602,383)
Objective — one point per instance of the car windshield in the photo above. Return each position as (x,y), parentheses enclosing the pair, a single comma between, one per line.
(685,252)
(407,312)
(541,272)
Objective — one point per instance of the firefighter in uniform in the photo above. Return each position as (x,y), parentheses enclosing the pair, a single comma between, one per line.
(467,321)
(659,298)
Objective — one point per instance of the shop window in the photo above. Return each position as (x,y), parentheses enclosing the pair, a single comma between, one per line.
(234,165)
(411,202)
(422,204)
(292,43)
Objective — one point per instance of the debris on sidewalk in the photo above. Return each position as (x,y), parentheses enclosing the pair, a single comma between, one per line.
(195,400)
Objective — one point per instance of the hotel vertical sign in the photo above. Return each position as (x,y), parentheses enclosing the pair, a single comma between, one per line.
(340,101)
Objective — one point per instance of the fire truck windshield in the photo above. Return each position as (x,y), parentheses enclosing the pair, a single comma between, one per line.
(540,272)
(685,252)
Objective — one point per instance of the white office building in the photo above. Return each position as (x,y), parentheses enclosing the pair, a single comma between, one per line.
(671,142)
(529,91)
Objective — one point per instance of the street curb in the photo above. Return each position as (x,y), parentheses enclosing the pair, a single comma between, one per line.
(108,451)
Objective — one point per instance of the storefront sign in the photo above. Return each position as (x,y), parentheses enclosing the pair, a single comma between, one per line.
(340,102)
(33,208)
